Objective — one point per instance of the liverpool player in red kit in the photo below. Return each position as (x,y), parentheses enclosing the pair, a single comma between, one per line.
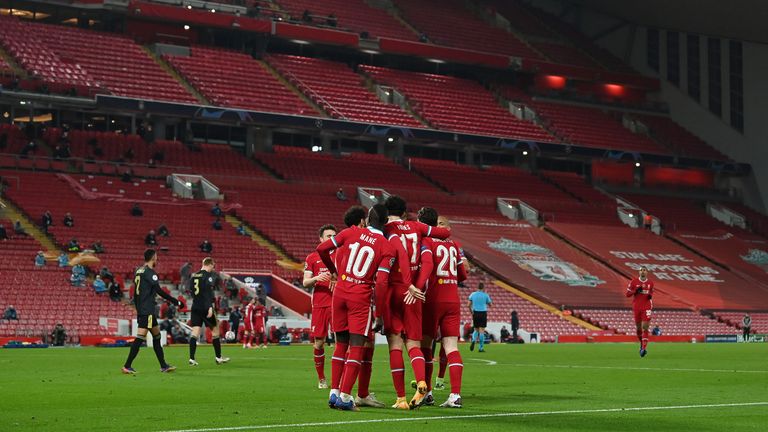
(404,320)
(364,263)
(317,277)
(641,289)
(442,269)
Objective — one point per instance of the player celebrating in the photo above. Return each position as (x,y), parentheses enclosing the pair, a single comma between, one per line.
(404,320)
(147,285)
(365,260)
(202,284)
(317,276)
(255,324)
(641,289)
(442,269)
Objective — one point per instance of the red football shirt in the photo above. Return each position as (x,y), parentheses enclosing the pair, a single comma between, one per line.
(442,269)
(321,294)
(642,292)
(410,234)
(363,264)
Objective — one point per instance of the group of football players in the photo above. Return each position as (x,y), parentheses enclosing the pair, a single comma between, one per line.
(384,273)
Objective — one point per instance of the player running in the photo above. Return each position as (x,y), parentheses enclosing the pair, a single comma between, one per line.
(203,310)
(641,289)
(317,277)
(147,285)
(478,307)
(363,276)
(442,269)
(404,322)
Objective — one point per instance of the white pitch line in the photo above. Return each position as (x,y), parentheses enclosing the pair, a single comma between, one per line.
(486,361)
(472,416)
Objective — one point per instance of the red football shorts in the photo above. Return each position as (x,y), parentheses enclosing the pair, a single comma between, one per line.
(404,319)
(642,313)
(321,320)
(248,326)
(441,318)
(353,316)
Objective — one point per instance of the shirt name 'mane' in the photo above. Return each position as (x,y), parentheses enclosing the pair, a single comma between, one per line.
(368,239)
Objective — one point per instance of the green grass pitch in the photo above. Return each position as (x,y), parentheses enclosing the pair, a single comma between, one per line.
(580,387)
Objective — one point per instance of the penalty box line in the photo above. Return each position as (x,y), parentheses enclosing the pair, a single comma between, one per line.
(471,416)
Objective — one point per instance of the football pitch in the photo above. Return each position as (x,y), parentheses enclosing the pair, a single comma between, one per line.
(580,387)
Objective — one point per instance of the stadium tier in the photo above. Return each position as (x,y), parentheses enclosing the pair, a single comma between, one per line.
(520,18)
(356,169)
(670,322)
(101,208)
(508,182)
(533,318)
(756,221)
(43,296)
(456,104)
(561,53)
(741,252)
(676,213)
(679,272)
(339,91)
(539,263)
(759,320)
(356,15)
(67,56)
(232,79)
(682,140)
(591,127)
(452,23)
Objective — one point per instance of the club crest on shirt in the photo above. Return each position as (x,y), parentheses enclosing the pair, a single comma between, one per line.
(544,263)
(757,257)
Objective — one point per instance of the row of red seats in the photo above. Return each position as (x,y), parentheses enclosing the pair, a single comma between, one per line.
(451,22)
(339,91)
(355,15)
(456,104)
(232,79)
(77,57)
(670,322)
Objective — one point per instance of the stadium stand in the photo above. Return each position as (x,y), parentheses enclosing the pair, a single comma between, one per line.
(232,79)
(339,90)
(456,104)
(682,140)
(759,320)
(43,297)
(679,272)
(509,182)
(539,263)
(450,22)
(591,127)
(101,210)
(67,56)
(757,222)
(671,322)
(533,318)
(356,15)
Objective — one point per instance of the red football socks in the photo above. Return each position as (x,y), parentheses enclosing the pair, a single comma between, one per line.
(320,363)
(428,366)
(456,367)
(351,369)
(397,367)
(443,363)
(337,364)
(364,379)
(417,363)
